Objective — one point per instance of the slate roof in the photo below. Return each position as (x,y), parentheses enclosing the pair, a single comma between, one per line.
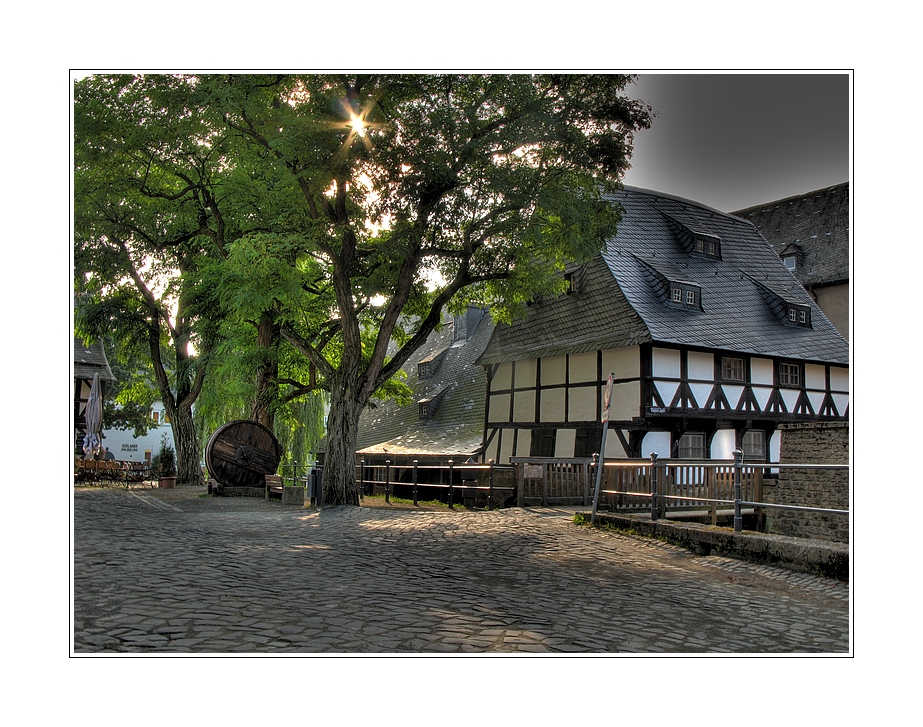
(90,359)
(622,304)
(818,223)
(456,388)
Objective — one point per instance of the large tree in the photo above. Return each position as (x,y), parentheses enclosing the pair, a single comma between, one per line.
(385,198)
(148,171)
(414,192)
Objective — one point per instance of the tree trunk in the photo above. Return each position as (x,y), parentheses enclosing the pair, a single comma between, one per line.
(267,374)
(339,483)
(188,467)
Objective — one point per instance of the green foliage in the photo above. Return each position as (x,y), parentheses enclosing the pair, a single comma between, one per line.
(166,458)
(318,224)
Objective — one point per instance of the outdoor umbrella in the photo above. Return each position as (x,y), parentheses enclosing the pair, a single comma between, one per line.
(93,414)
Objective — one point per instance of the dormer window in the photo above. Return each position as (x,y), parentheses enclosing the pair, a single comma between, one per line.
(685,296)
(707,244)
(791,261)
(799,315)
(424,369)
(424,409)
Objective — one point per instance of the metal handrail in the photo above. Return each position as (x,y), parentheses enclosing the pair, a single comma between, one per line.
(738,502)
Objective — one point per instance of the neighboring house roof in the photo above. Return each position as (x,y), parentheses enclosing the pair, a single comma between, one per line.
(453,392)
(90,359)
(625,300)
(814,225)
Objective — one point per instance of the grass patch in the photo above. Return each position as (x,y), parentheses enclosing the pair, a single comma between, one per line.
(403,501)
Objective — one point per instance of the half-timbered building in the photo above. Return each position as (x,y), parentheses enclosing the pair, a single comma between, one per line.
(710,341)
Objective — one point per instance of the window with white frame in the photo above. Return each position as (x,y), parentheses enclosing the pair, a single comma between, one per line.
(753,444)
(789,374)
(691,446)
(732,368)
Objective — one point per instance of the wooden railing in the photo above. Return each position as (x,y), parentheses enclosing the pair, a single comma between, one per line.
(692,485)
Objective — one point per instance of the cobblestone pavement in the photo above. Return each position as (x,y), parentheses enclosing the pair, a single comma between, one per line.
(225,575)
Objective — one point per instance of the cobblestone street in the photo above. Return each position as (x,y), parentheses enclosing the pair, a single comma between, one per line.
(185,573)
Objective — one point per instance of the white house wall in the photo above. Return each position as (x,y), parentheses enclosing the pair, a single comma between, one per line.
(125,446)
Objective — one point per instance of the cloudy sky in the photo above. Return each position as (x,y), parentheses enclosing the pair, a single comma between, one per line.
(735,140)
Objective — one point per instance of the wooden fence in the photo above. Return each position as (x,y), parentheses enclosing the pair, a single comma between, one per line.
(626,484)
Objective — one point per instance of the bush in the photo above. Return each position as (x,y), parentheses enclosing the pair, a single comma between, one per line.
(166,458)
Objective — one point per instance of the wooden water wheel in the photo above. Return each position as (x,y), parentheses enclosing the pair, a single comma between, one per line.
(241,453)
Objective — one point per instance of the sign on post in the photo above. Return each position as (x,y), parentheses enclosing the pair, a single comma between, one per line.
(607,399)
(607,403)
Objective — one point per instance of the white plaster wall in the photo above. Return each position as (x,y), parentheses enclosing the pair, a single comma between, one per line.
(614,447)
(723,444)
(625,363)
(502,378)
(761,371)
(125,446)
(506,447)
(839,378)
(553,370)
(583,367)
(665,363)
(658,442)
(564,443)
(525,373)
(523,405)
(582,404)
(790,397)
(667,390)
(762,395)
(552,407)
(815,376)
(701,366)
(732,393)
(626,400)
(701,392)
(499,408)
(524,443)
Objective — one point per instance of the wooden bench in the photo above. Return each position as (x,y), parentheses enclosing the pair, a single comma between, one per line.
(273,485)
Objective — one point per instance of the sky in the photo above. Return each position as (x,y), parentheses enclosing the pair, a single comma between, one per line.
(732,141)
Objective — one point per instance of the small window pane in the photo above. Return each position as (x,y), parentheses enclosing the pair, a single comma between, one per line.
(732,369)
(789,374)
(691,446)
(754,444)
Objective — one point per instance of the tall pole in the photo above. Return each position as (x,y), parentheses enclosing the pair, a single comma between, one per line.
(601,457)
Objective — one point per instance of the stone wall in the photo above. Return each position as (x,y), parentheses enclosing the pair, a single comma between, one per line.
(815,443)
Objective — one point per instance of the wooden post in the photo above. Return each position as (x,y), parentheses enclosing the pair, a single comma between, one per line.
(710,490)
(654,507)
(388,480)
(521,483)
